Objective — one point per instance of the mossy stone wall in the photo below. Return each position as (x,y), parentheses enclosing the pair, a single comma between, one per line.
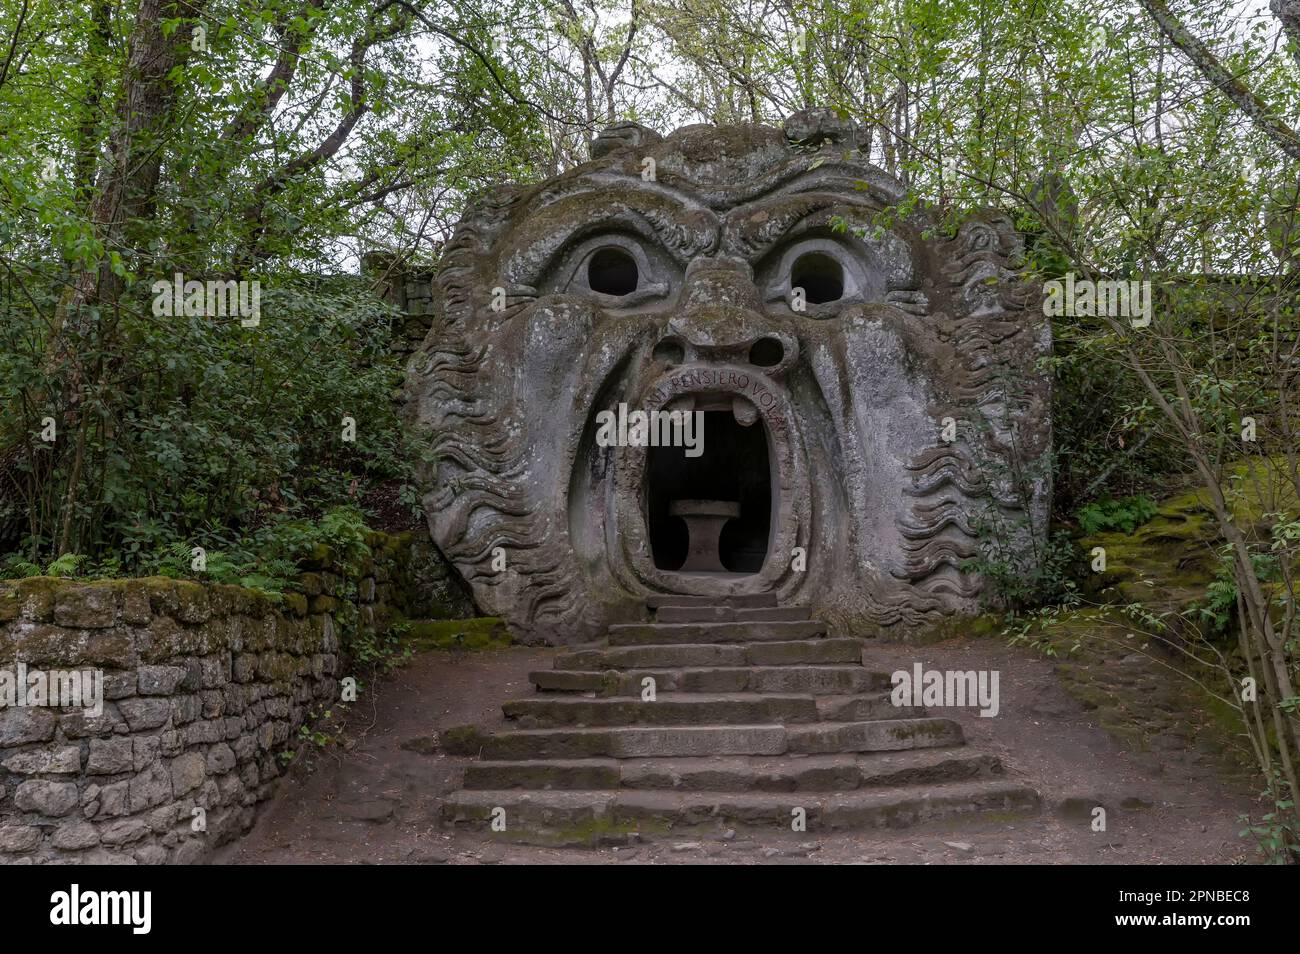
(205,687)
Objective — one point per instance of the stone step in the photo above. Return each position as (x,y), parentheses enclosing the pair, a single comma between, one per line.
(700,708)
(869,707)
(697,655)
(667,709)
(581,817)
(658,600)
(883,735)
(816,680)
(722,614)
(675,634)
(629,742)
(813,773)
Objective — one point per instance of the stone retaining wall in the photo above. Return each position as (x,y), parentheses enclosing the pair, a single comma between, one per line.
(205,687)
(409,288)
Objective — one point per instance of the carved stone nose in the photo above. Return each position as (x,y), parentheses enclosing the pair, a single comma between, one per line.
(720,282)
(721,319)
(720,313)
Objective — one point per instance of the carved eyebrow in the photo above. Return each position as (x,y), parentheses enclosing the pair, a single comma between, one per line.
(801,191)
(656,216)
(751,232)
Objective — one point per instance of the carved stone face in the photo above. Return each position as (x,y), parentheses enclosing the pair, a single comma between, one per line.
(711,271)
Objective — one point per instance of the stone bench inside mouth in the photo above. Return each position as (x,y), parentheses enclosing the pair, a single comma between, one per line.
(704,521)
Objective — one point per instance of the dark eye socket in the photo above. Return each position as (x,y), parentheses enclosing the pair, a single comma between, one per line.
(820,276)
(612,271)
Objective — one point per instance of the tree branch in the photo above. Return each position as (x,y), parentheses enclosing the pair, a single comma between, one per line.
(1258,111)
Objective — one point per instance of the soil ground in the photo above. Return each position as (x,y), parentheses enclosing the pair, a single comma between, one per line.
(374,796)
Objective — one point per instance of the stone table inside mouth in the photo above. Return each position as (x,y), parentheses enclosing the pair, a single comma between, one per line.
(704,522)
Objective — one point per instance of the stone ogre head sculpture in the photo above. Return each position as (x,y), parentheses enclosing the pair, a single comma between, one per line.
(869,396)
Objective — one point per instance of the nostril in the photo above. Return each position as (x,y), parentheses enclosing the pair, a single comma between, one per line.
(669,351)
(766,352)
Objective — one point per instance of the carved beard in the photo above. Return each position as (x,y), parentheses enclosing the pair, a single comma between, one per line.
(826,425)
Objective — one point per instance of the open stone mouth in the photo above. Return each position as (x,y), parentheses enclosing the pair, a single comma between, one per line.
(712,514)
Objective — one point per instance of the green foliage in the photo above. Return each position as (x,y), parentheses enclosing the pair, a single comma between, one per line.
(1275,834)
(1217,611)
(14,567)
(225,432)
(378,653)
(266,559)
(1124,515)
(1011,585)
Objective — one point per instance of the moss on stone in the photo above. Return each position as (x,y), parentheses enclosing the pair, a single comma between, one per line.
(9,604)
(479,633)
(601,830)
(322,604)
(464,740)
(295,603)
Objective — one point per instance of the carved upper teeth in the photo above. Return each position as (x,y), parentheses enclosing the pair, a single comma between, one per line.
(743,410)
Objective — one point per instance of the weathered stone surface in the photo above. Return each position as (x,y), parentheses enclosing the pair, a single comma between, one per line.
(55,761)
(85,607)
(825,363)
(146,750)
(666,710)
(17,838)
(110,756)
(151,787)
(221,759)
(76,837)
(81,724)
(143,714)
(48,798)
(714,744)
(188,772)
(124,832)
(160,680)
(189,852)
(152,855)
(119,685)
(538,811)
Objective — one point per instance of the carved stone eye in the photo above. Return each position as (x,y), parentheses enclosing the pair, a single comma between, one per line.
(820,276)
(612,271)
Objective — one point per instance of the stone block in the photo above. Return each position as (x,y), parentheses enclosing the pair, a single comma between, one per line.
(142,714)
(151,787)
(53,799)
(85,606)
(188,772)
(19,838)
(62,760)
(110,756)
(75,837)
(160,680)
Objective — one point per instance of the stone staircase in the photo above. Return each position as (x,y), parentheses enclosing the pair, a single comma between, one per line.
(758,712)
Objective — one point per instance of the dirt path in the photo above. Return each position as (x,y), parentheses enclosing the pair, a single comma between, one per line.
(375,798)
